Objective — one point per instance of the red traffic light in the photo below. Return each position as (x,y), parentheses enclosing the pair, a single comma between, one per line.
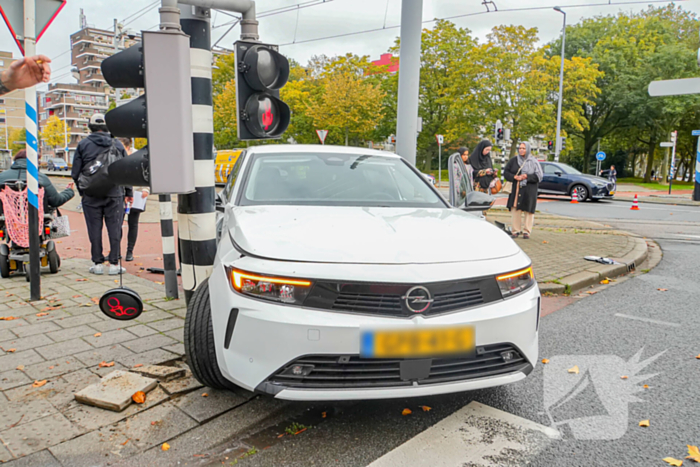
(268,117)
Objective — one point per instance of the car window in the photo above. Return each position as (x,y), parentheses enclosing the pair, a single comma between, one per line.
(232,177)
(335,180)
(569,170)
(550,169)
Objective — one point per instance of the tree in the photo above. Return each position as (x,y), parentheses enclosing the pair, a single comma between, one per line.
(17,139)
(54,132)
(225,129)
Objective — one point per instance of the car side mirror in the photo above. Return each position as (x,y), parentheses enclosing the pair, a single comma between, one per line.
(478,201)
(220,205)
(558,174)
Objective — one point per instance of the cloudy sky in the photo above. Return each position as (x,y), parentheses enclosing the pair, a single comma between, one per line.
(296,30)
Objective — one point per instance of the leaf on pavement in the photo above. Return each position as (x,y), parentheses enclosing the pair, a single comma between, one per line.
(10,350)
(426,408)
(204,394)
(592,292)
(138,365)
(694,453)
(77,296)
(39,315)
(573,370)
(672,461)
(139,397)
(116,281)
(644,423)
(545,242)
(406,412)
(646,386)
(545,360)
(38,384)
(698,357)
(51,308)
(662,290)
(81,280)
(7,318)
(165,447)
(97,334)
(21,367)
(85,304)
(95,299)
(605,281)
(323,414)
(623,377)
(104,364)
(160,283)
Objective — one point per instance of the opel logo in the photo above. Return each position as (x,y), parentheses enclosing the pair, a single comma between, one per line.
(418,299)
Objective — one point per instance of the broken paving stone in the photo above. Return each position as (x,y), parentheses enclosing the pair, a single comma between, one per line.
(181,386)
(114,391)
(160,372)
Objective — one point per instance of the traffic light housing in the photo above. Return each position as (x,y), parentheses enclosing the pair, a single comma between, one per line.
(550,145)
(163,114)
(499,134)
(563,143)
(261,71)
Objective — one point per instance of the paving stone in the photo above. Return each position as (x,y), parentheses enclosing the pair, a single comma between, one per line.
(177,348)
(152,357)
(24,311)
(177,334)
(79,310)
(181,386)
(104,354)
(15,323)
(180,312)
(111,325)
(74,321)
(142,330)
(103,371)
(20,412)
(160,372)
(6,335)
(37,435)
(107,445)
(109,338)
(148,343)
(204,408)
(167,324)
(169,304)
(5,455)
(12,379)
(114,391)
(53,368)
(17,304)
(153,315)
(26,343)
(56,315)
(13,360)
(30,330)
(71,333)
(42,458)
(70,347)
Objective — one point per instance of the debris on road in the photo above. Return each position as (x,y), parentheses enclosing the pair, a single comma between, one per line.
(160,372)
(115,390)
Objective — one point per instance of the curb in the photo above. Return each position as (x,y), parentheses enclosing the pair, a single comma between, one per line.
(660,200)
(598,272)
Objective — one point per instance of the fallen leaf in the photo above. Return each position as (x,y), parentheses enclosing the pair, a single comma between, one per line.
(694,453)
(85,304)
(21,367)
(646,386)
(95,299)
(165,447)
(127,440)
(7,318)
(38,384)
(81,280)
(623,377)
(77,296)
(279,436)
(160,283)
(158,259)
(105,364)
(698,357)
(51,367)
(545,241)
(323,414)
(97,334)
(644,423)
(545,360)
(406,412)
(662,290)
(592,292)
(138,264)
(204,394)
(139,397)
(116,281)
(138,365)
(426,408)
(10,350)
(39,315)
(573,370)
(605,281)
(672,461)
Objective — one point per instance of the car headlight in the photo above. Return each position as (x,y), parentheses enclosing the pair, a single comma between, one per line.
(278,289)
(515,282)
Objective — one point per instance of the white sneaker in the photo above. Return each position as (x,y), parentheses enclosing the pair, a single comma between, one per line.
(98,269)
(115,269)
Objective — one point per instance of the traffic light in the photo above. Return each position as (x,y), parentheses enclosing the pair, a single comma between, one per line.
(563,143)
(550,145)
(163,114)
(261,72)
(498,133)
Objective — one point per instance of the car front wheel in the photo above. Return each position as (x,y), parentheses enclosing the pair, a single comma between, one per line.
(581,192)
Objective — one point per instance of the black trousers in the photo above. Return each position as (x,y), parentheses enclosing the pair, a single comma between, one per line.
(111,212)
(133,221)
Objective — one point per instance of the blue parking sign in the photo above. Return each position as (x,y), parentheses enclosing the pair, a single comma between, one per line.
(600,156)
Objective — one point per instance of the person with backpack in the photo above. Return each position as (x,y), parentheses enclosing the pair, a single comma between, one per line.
(102,200)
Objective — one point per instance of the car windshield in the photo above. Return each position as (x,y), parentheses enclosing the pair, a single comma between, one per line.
(336,180)
(569,170)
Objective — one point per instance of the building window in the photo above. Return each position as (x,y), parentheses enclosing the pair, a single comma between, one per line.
(2,101)
(2,119)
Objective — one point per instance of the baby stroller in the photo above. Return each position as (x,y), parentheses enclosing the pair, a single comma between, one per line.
(14,231)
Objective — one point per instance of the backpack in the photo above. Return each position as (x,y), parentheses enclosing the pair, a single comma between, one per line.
(94,178)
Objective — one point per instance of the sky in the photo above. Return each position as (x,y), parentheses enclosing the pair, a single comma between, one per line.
(295,30)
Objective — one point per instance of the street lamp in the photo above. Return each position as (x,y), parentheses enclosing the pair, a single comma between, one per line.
(561,86)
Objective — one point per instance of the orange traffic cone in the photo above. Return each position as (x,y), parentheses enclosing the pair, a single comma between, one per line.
(635,205)
(574,197)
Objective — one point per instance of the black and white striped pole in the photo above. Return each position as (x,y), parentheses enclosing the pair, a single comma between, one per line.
(168,238)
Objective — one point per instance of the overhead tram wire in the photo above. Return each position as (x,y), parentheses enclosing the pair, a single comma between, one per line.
(385,28)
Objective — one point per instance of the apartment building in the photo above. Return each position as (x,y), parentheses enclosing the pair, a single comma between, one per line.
(11,110)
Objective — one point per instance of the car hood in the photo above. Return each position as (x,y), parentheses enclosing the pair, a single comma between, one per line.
(366,235)
(593,178)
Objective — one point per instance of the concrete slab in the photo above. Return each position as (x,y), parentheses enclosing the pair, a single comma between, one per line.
(12,379)
(152,357)
(161,373)
(203,408)
(41,458)
(19,413)
(5,455)
(181,386)
(37,435)
(114,391)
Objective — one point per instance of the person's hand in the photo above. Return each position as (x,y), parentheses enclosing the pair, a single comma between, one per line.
(144,194)
(70,185)
(27,72)
(129,199)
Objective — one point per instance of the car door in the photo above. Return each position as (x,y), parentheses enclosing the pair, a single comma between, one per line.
(225,196)
(549,179)
(460,181)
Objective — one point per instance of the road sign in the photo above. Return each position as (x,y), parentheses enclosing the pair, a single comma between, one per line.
(674,87)
(600,156)
(696,132)
(13,13)
(440,139)
(322,135)
(666,144)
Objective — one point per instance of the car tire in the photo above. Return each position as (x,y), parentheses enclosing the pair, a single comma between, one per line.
(4,266)
(54,259)
(199,342)
(581,192)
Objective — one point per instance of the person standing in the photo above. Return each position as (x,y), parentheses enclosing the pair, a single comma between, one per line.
(525,172)
(108,209)
(18,171)
(139,206)
(482,165)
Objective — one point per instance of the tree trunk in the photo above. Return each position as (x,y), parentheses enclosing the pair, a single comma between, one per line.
(346,135)
(650,159)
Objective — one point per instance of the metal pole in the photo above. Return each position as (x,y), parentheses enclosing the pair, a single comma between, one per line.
(696,192)
(168,238)
(673,162)
(30,123)
(557,149)
(409,79)
(439,164)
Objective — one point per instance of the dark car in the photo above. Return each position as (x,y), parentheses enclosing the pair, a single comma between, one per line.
(562,179)
(56,164)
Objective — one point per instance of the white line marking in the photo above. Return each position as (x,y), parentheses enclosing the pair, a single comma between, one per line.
(647,320)
(470,436)
(686,236)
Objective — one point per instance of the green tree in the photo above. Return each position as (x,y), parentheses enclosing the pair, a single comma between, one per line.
(17,139)
(54,132)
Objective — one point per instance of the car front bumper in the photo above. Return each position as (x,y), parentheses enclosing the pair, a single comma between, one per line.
(267,336)
(605,192)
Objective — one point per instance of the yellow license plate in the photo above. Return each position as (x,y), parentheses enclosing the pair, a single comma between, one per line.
(417,343)
(612,192)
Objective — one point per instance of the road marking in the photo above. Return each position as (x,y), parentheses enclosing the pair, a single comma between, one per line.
(647,320)
(686,236)
(474,435)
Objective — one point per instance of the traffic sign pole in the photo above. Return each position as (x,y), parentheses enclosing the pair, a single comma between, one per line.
(673,161)
(696,192)
(440,140)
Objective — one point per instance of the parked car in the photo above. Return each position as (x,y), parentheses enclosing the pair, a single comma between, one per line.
(324,287)
(562,179)
(430,178)
(56,164)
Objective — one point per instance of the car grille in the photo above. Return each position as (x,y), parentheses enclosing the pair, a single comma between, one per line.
(391,304)
(338,372)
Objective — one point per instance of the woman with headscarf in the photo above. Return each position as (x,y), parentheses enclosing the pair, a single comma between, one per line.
(525,172)
(481,163)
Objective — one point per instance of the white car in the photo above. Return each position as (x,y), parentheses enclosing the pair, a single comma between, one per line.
(342,273)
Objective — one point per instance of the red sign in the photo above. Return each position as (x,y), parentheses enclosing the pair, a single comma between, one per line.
(12,12)
(267,117)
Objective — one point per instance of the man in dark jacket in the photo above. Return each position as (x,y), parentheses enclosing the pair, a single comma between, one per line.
(110,208)
(18,171)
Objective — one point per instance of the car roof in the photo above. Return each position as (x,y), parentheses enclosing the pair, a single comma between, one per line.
(317,149)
